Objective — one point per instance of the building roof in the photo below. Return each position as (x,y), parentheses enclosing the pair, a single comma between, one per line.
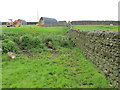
(23,22)
(46,20)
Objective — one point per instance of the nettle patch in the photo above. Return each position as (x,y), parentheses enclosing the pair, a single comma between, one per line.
(9,46)
(11,43)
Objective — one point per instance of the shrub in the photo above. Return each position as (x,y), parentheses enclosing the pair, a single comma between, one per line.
(47,40)
(42,46)
(27,42)
(9,46)
(16,39)
(66,43)
(35,42)
(4,36)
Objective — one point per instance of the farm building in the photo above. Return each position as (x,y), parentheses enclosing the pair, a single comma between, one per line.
(45,20)
(62,22)
(20,22)
(24,22)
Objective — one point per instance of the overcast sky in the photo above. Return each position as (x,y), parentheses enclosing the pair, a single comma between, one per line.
(59,9)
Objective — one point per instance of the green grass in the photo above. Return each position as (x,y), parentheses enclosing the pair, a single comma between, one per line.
(65,67)
(97,28)
(34,30)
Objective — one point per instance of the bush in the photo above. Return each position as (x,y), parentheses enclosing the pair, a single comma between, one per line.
(4,36)
(47,39)
(67,43)
(42,46)
(15,39)
(9,46)
(28,42)
(35,42)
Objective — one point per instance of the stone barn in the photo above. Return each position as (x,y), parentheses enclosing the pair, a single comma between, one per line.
(47,21)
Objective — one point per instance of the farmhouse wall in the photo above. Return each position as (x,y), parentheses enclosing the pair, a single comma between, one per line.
(94,22)
(102,49)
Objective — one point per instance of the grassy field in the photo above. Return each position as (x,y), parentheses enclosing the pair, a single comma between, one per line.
(38,65)
(98,28)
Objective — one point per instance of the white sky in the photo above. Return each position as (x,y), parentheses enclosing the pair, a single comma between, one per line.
(59,9)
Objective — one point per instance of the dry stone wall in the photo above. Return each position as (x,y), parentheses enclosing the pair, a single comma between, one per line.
(102,49)
(94,22)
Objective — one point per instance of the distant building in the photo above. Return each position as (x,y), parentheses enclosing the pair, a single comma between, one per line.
(47,21)
(20,22)
(24,22)
(62,22)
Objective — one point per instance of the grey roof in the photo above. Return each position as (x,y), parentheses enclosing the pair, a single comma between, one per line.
(46,20)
